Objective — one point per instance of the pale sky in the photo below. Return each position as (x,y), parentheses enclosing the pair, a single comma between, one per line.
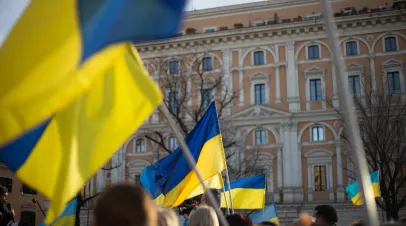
(10,10)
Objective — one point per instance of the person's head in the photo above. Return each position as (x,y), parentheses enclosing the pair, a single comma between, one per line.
(125,205)
(326,215)
(304,220)
(217,196)
(238,219)
(203,216)
(268,223)
(358,223)
(3,195)
(166,217)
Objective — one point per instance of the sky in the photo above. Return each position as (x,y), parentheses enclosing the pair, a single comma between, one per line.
(10,10)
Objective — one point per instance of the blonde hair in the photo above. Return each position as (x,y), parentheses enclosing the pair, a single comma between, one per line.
(203,216)
(167,217)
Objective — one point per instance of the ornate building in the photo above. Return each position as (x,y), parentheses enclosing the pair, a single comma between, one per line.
(275,57)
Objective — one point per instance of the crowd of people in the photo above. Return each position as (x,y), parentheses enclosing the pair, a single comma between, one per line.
(130,205)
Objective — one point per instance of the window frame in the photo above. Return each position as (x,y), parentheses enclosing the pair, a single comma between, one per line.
(265,141)
(26,190)
(356,45)
(323,133)
(259,78)
(177,71)
(321,90)
(263,99)
(384,43)
(175,143)
(318,157)
(143,145)
(209,29)
(325,178)
(212,63)
(32,217)
(359,84)
(399,82)
(308,51)
(263,57)
(171,101)
(10,184)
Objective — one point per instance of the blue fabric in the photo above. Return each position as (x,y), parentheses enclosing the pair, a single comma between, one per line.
(70,209)
(169,171)
(185,222)
(256,182)
(266,214)
(14,154)
(104,22)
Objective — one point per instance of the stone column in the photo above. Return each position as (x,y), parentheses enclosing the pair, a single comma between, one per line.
(241,81)
(292,78)
(277,195)
(277,85)
(100,181)
(227,86)
(372,70)
(340,186)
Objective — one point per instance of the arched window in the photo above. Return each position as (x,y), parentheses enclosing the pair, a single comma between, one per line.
(139,146)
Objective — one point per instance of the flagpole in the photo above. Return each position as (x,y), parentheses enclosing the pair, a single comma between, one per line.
(192,163)
(229,192)
(350,118)
(224,193)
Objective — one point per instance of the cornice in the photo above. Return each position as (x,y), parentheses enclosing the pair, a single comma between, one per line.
(277,33)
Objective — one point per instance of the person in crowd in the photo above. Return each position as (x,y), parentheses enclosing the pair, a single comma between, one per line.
(167,217)
(304,220)
(239,219)
(6,212)
(203,216)
(326,215)
(217,196)
(125,205)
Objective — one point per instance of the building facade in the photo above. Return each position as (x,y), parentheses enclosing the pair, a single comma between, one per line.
(276,69)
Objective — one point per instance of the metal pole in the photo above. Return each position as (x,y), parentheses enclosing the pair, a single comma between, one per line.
(229,192)
(224,193)
(350,118)
(192,163)
(36,202)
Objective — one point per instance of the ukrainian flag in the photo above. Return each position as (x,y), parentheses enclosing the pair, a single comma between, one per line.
(247,193)
(57,48)
(67,218)
(59,156)
(355,194)
(171,180)
(269,214)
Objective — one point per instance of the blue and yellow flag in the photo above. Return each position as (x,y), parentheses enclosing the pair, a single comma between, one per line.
(247,193)
(59,156)
(67,218)
(269,214)
(171,180)
(355,194)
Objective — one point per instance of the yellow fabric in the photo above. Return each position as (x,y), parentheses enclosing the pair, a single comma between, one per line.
(80,138)
(245,198)
(65,221)
(51,68)
(214,182)
(275,220)
(358,201)
(211,162)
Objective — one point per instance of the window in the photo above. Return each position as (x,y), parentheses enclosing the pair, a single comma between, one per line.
(139,145)
(313,52)
(402,176)
(28,217)
(206,97)
(207,63)
(354,84)
(393,82)
(351,48)
(210,29)
(7,182)
(315,89)
(259,93)
(260,137)
(390,44)
(28,191)
(259,23)
(317,133)
(259,58)
(173,101)
(320,178)
(172,143)
(173,67)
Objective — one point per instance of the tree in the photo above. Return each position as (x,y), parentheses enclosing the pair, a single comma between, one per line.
(382,119)
(191,80)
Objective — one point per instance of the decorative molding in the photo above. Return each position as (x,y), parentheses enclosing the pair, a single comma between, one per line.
(260,111)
